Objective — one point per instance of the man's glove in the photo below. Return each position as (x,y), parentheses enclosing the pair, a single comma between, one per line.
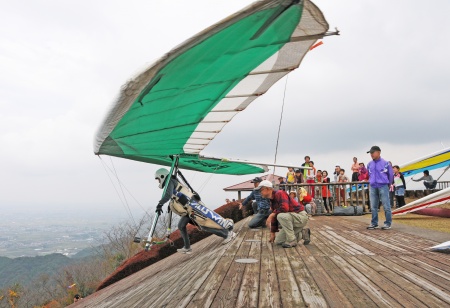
(159,208)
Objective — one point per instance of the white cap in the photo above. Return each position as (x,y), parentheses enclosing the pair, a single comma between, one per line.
(264,183)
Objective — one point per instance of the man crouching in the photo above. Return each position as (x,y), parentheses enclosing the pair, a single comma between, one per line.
(286,213)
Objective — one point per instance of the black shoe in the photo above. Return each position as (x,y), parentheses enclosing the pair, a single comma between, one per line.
(372,227)
(306,235)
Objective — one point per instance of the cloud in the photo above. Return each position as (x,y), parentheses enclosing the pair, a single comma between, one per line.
(383,81)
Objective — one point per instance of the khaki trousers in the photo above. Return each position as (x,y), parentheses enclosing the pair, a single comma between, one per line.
(292,225)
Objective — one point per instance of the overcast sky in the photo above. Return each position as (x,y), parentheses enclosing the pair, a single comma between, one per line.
(384,81)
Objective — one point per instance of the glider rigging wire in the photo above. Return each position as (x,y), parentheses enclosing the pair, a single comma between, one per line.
(124,203)
(279,126)
(209,178)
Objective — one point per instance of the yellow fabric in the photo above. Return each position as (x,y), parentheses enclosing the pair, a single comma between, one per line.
(302,193)
(427,162)
(290,177)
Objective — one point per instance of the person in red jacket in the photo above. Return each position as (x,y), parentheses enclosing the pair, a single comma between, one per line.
(287,213)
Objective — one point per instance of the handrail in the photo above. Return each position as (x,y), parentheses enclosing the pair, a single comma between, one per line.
(443,184)
(335,193)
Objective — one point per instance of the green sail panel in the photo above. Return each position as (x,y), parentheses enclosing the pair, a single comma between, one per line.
(180,103)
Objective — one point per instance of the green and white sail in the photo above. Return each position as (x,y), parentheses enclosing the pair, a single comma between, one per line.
(180,103)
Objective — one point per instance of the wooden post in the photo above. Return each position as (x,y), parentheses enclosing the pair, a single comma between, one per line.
(239,195)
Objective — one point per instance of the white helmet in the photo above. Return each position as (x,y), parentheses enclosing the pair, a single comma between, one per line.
(160,175)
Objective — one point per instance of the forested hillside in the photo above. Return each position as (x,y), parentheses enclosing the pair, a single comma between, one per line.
(25,269)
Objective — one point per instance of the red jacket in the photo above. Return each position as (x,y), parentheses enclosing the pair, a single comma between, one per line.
(282,203)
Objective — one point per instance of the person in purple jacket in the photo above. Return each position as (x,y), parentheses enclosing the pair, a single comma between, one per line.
(381,176)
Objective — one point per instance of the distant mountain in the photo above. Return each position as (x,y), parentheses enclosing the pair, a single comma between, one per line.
(87,252)
(24,270)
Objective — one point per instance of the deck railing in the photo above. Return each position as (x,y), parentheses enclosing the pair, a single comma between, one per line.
(335,194)
(443,184)
(351,193)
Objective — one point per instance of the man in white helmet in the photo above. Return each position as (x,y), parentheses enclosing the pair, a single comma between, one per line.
(162,175)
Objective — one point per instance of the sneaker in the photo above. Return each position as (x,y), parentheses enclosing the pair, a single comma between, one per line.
(306,235)
(289,245)
(231,236)
(185,250)
(385,227)
(372,227)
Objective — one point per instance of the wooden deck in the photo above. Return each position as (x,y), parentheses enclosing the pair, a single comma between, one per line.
(344,266)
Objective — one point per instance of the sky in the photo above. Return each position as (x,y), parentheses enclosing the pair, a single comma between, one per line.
(383,81)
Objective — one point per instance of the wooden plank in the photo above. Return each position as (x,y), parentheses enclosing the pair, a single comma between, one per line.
(206,294)
(358,247)
(436,262)
(374,246)
(406,241)
(248,293)
(432,274)
(310,291)
(192,268)
(331,292)
(352,291)
(397,238)
(227,294)
(184,295)
(162,289)
(373,284)
(409,290)
(345,265)
(388,249)
(439,257)
(269,292)
(380,281)
(289,292)
(154,280)
(350,243)
(373,291)
(416,279)
(409,241)
(386,245)
(429,265)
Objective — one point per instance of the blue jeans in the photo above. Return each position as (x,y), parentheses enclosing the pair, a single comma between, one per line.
(259,219)
(377,195)
(400,191)
(430,185)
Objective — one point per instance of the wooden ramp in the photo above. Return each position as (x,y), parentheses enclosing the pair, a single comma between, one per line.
(344,266)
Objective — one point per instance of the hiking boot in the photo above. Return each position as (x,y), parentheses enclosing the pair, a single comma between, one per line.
(185,250)
(372,227)
(289,245)
(385,227)
(230,237)
(306,235)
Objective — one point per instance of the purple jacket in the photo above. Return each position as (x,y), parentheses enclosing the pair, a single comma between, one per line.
(380,173)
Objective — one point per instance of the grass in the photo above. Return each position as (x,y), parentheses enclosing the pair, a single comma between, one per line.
(421,221)
(426,222)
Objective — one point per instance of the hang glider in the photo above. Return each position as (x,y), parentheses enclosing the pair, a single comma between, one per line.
(438,198)
(176,106)
(439,159)
(443,247)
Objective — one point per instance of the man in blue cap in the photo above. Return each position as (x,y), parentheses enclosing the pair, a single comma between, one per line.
(261,206)
(381,176)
